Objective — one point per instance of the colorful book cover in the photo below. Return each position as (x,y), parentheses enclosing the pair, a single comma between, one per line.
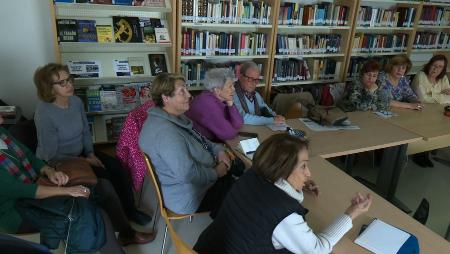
(136,65)
(157,63)
(162,35)
(93,100)
(148,30)
(109,100)
(67,30)
(86,31)
(128,96)
(144,91)
(123,2)
(121,68)
(104,33)
(127,29)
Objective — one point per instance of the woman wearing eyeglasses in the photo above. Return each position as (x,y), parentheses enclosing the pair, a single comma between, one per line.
(365,93)
(213,111)
(249,102)
(63,133)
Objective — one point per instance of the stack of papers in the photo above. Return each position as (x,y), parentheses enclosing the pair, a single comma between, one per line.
(249,147)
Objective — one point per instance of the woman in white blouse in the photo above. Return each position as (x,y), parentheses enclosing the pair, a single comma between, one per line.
(431,84)
(262,212)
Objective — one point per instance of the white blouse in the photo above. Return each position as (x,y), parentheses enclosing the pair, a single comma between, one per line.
(429,93)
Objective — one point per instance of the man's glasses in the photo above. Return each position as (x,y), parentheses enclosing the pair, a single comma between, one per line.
(250,79)
(64,82)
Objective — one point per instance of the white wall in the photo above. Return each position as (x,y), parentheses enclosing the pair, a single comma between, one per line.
(26,42)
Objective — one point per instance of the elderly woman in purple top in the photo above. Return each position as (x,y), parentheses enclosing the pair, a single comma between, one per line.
(213,112)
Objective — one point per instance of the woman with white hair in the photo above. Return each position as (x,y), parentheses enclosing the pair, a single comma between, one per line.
(213,112)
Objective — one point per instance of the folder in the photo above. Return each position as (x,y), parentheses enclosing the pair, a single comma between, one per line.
(382,238)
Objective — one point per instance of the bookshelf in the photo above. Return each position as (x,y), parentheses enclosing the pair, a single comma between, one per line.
(224,34)
(123,69)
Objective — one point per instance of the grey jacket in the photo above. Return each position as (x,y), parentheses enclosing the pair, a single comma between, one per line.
(184,168)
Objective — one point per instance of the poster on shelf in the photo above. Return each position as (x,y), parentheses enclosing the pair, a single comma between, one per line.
(121,68)
(85,69)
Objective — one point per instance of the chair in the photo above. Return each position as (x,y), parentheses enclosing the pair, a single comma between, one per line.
(180,246)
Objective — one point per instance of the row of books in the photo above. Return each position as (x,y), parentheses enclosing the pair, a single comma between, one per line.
(372,43)
(132,66)
(114,97)
(427,40)
(379,17)
(286,70)
(205,43)
(123,30)
(112,124)
(195,71)
(435,16)
(324,14)
(149,3)
(308,44)
(226,11)
(356,64)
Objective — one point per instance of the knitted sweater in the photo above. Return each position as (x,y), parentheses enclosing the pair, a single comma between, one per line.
(429,93)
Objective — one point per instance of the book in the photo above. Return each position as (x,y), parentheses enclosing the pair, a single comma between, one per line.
(121,68)
(114,127)
(150,3)
(162,35)
(136,65)
(123,2)
(382,238)
(101,1)
(108,99)
(127,29)
(157,63)
(86,31)
(85,69)
(91,122)
(93,99)
(144,92)
(104,33)
(128,96)
(67,30)
(148,30)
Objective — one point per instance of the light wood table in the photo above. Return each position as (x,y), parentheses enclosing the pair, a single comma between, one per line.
(429,123)
(336,190)
(374,133)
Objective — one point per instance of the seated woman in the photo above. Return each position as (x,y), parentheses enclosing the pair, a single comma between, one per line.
(63,133)
(263,210)
(395,82)
(213,111)
(19,171)
(191,169)
(431,84)
(365,94)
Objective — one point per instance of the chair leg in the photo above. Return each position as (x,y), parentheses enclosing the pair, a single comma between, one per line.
(164,240)
(156,217)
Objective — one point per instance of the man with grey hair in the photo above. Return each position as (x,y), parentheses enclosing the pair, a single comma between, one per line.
(213,111)
(249,102)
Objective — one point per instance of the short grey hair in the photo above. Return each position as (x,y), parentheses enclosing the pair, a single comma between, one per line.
(216,78)
(247,66)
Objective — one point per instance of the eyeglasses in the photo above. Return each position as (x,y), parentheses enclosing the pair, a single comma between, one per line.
(250,79)
(64,82)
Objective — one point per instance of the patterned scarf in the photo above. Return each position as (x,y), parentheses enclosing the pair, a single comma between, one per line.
(11,167)
(241,94)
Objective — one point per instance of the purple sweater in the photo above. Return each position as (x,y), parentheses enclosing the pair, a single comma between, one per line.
(213,118)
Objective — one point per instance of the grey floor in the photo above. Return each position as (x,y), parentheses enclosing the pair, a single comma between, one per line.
(415,183)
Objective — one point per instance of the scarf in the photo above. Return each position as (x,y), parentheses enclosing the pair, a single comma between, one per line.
(241,94)
(11,167)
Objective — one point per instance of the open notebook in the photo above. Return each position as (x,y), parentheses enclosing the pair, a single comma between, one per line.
(382,238)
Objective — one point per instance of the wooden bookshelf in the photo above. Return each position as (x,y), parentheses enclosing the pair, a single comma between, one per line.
(106,53)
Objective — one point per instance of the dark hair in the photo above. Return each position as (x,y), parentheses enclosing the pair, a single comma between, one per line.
(398,60)
(277,156)
(43,80)
(370,66)
(164,84)
(426,68)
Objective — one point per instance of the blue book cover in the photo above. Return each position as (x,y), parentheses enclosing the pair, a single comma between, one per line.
(123,2)
(63,1)
(86,31)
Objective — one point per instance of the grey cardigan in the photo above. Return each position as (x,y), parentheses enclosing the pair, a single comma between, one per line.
(184,168)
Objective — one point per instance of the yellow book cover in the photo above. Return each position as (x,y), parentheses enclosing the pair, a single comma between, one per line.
(104,33)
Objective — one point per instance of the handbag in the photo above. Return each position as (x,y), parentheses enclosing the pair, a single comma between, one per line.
(326,115)
(78,170)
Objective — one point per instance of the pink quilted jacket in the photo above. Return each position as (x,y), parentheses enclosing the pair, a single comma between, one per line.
(127,150)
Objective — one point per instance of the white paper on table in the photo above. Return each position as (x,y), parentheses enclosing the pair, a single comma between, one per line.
(277,127)
(385,114)
(249,146)
(382,238)
(317,127)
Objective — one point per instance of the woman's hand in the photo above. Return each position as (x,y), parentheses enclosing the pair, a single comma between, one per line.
(312,187)
(57,177)
(360,204)
(94,161)
(230,103)
(77,191)
(223,157)
(416,106)
(221,169)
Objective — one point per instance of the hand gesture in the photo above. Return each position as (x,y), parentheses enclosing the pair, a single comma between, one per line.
(312,187)
(360,204)
(57,177)
(223,157)
(94,161)
(78,191)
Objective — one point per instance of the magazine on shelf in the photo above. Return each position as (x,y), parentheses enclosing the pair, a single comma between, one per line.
(85,69)
(121,68)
